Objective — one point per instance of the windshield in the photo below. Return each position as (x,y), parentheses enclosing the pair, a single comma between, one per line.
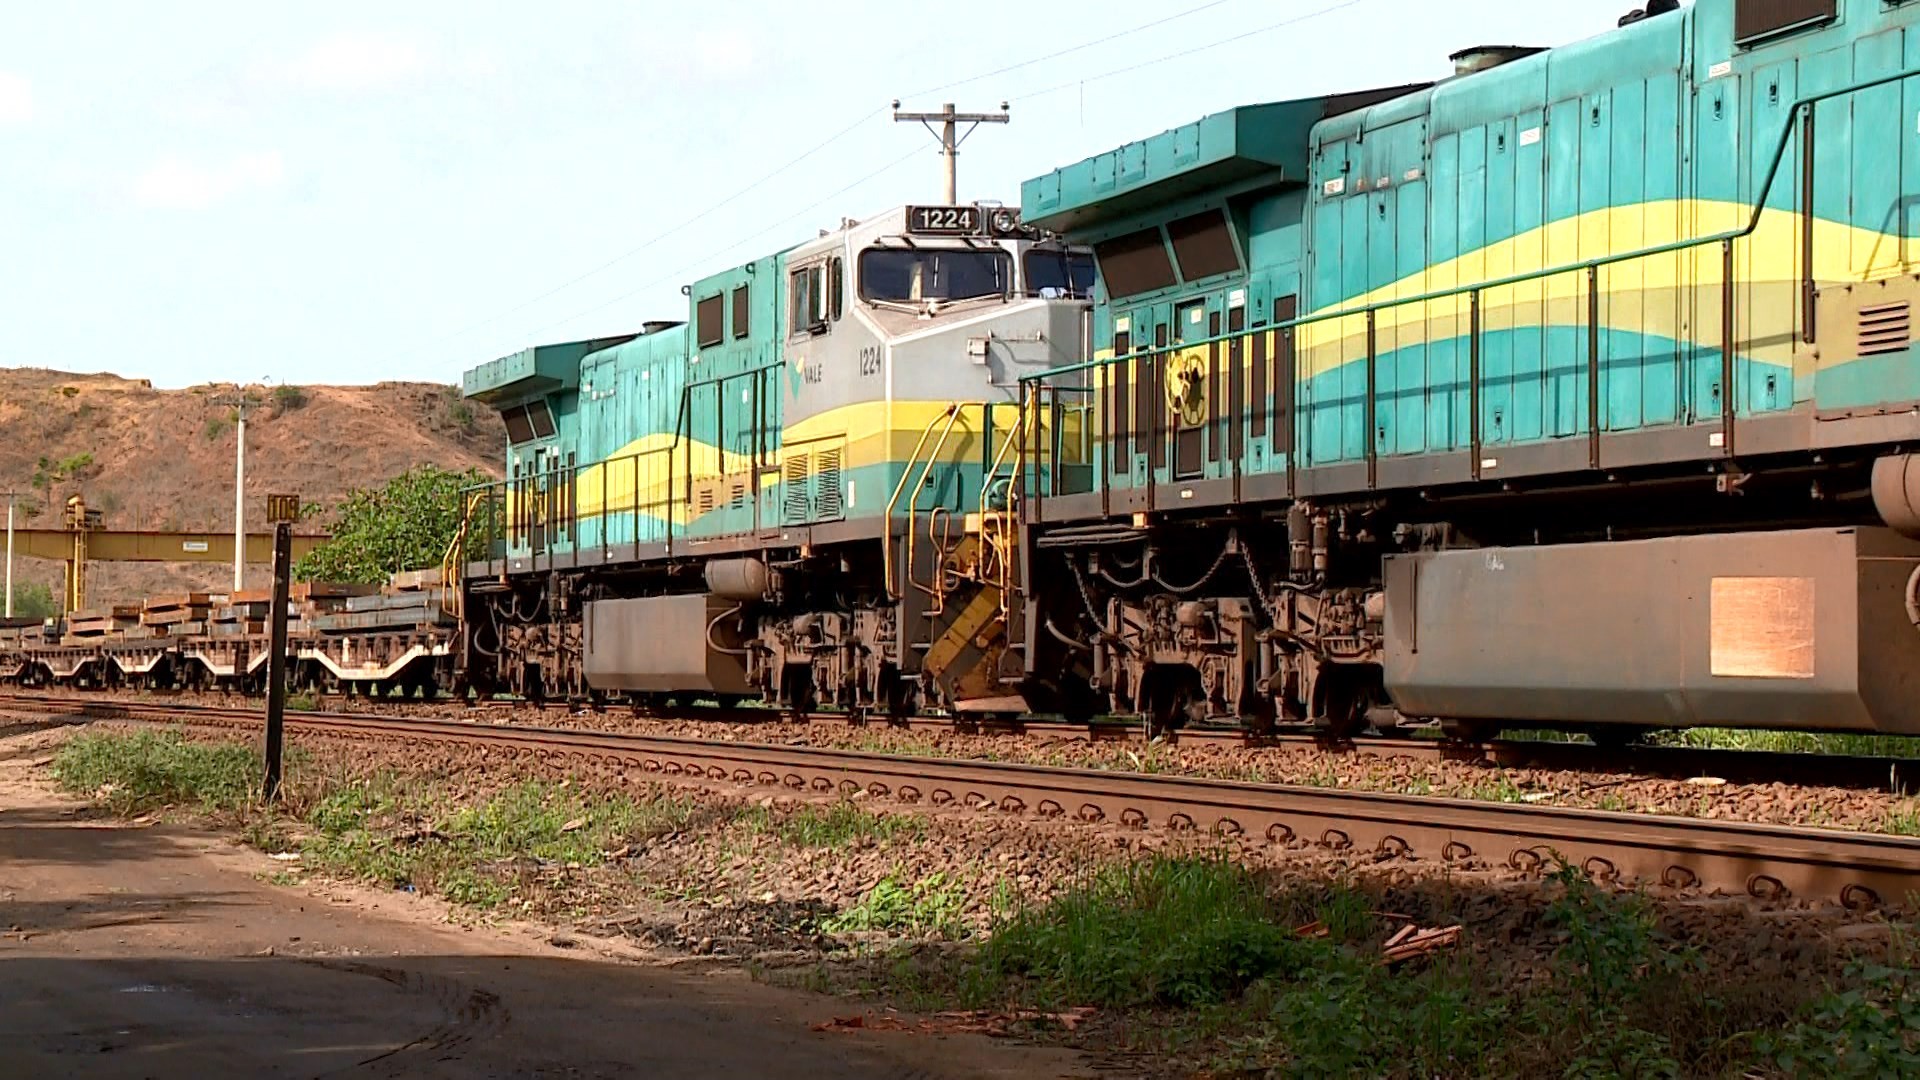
(912,275)
(1058,272)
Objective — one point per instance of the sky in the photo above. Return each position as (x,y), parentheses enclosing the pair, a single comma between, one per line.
(196,191)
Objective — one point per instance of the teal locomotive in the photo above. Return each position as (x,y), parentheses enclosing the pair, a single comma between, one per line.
(1574,390)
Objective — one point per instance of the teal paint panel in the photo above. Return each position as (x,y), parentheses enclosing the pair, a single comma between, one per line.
(1528,418)
(1421,389)
(1496,359)
(1276,231)
(1624,356)
(1661,372)
(1473,237)
(1446,359)
(1352,425)
(1909,221)
(1716,178)
(1878,130)
(1833,138)
(1565,368)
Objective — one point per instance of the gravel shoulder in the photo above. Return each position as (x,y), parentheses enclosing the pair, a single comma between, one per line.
(158,949)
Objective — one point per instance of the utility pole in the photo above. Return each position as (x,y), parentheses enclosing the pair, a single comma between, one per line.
(282,510)
(949,135)
(240,496)
(9,554)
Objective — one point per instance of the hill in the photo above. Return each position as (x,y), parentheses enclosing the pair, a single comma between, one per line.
(163,459)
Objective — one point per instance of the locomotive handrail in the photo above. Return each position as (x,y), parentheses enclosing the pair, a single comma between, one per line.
(1753,225)
(886,549)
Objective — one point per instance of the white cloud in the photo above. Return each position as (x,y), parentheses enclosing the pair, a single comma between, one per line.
(355,62)
(175,183)
(16,99)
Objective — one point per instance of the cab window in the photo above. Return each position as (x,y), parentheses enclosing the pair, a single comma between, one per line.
(912,275)
(1059,273)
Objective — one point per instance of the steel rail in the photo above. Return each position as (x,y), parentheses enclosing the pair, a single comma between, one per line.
(1652,762)
(1765,861)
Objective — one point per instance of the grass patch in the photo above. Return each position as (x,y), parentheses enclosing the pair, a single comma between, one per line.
(1161,932)
(838,825)
(381,830)
(931,905)
(1792,742)
(1199,955)
(141,771)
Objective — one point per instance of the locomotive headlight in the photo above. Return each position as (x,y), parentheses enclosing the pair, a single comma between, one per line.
(1004,221)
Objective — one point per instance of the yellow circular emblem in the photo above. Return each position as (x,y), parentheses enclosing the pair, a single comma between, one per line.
(1187,388)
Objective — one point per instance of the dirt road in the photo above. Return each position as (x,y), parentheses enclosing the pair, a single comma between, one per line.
(160,951)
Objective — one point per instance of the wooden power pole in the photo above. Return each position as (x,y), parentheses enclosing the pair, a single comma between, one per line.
(950,136)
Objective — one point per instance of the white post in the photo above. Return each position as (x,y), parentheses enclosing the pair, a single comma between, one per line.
(240,501)
(9,554)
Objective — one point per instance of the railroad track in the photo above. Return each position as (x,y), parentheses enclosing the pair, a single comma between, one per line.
(1896,775)
(1764,861)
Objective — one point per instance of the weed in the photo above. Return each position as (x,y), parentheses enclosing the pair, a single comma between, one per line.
(1162,932)
(1355,1019)
(835,826)
(301,702)
(1797,742)
(1497,789)
(1869,1030)
(931,905)
(215,427)
(288,398)
(131,772)
(1904,821)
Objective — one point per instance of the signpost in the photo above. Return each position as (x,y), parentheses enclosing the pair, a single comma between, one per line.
(282,511)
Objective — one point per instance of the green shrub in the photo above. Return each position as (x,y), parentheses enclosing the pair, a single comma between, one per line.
(1161,932)
(132,772)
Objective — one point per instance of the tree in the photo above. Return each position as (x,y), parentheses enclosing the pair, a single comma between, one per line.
(405,525)
(34,602)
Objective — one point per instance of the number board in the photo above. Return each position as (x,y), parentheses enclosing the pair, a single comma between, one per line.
(943,220)
(283,509)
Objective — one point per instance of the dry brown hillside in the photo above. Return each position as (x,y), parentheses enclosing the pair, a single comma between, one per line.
(163,459)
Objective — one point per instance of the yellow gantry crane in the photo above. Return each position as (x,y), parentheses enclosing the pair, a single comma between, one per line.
(82,539)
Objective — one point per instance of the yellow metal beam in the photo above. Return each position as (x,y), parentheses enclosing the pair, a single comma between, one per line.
(112,545)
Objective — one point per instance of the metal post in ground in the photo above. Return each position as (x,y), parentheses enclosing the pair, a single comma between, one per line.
(281,510)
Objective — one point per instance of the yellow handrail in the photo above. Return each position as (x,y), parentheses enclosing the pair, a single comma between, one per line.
(886,549)
(953,416)
(452,563)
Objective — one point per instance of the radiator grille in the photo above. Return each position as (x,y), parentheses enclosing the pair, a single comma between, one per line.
(826,477)
(1884,328)
(794,489)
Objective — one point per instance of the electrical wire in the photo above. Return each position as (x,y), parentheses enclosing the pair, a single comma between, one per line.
(1182,54)
(1070,50)
(707,257)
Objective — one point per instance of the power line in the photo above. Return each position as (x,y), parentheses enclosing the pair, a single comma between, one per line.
(850,128)
(1130,68)
(657,238)
(815,149)
(707,257)
(1070,50)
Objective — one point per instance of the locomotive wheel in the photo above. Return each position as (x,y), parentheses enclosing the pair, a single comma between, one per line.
(800,696)
(1166,707)
(1345,699)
